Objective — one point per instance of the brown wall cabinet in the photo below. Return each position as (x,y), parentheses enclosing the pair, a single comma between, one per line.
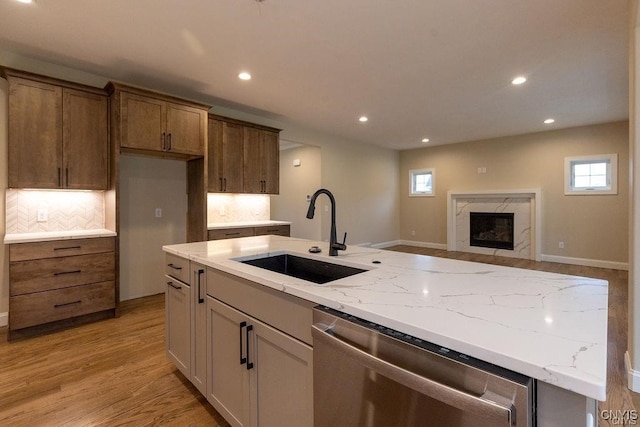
(60,280)
(153,122)
(58,134)
(243,157)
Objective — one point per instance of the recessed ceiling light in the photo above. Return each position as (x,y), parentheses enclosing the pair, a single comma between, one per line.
(518,80)
(244,76)
(425,140)
(363,119)
(549,121)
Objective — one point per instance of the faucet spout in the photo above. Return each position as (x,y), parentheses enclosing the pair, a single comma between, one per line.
(334,246)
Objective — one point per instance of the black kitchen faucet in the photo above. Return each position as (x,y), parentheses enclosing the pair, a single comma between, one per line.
(334,246)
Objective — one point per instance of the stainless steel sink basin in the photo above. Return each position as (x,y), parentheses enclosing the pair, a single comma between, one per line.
(304,268)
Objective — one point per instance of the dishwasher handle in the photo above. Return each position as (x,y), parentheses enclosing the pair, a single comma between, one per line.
(501,415)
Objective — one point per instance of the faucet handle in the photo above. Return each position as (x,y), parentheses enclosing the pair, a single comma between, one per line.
(341,246)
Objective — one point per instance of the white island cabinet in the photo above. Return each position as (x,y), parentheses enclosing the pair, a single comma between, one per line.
(547,326)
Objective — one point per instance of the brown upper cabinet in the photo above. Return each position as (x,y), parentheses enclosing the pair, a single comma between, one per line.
(58,134)
(243,157)
(152,122)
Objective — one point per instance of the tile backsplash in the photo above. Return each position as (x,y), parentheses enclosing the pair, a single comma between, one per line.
(63,211)
(237,208)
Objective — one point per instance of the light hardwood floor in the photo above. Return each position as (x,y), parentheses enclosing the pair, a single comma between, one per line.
(115,372)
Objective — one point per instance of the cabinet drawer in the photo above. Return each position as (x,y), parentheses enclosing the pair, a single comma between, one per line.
(231,233)
(60,248)
(278,230)
(55,273)
(289,314)
(49,306)
(177,267)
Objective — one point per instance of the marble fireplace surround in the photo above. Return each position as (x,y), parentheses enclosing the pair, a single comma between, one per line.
(458,203)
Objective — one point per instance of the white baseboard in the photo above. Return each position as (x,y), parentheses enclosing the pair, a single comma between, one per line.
(4,319)
(586,262)
(633,376)
(385,244)
(442,246)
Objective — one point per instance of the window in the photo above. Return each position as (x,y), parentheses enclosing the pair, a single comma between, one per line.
(422,182)
(591,174)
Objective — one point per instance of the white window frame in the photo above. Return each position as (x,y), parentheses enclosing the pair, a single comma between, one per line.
(612,174)
(412,176)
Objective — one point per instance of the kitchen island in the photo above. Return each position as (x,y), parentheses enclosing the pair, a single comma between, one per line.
(547,326)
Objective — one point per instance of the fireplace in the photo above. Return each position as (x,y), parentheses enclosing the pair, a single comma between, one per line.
(491,230)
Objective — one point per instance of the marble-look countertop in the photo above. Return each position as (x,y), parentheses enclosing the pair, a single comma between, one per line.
(240,224)
(56,235)
(547,326)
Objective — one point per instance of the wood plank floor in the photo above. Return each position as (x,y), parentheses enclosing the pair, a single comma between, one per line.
(115,372)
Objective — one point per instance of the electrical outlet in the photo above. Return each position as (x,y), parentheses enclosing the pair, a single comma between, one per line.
(326,208)
(413,232)
(43,215)
(561,245)
(158,212)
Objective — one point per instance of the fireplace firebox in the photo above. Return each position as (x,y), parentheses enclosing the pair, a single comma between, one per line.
(491,230)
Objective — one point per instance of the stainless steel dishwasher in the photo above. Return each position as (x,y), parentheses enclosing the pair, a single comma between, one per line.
(368,375)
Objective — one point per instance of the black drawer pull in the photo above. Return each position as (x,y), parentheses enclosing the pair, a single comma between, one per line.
(67,272)
(174,286)
(67,303)
(174,267)
(232,234)
(67,248)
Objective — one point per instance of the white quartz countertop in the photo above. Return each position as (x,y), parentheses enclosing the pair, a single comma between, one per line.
(547,326)
(240,224)
(56,235)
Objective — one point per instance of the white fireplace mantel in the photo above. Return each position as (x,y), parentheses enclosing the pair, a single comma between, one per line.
(534,195)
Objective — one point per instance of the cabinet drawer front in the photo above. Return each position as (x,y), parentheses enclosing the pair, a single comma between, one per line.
(60,248)
(284,312)
(278,230)
(55,273)
(231,233)
(49,306)
(177,267)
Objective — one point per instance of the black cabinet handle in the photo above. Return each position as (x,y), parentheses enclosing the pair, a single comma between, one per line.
(67,248)
(200,299)
(66,177)
(221,187)
(174,267)
(169,142)
(59,177)
(243,360)
(174,286)
(249,363)
(163,139)
(60,273)
(67,303)
(237,233)
(225,184)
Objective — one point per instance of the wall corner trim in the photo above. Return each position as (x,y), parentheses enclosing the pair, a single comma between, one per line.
(633,376)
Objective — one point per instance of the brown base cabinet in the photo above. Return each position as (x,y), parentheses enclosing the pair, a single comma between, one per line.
(60,280)
(232,233)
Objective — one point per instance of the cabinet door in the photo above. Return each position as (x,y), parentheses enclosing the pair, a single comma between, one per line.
(281,378)
(84,140)
(252,161)
(143,122)
(178,324)
(232,146)
(185,130)
(228,377)
(199,329)
(35,134)
(215,151)
(270,161)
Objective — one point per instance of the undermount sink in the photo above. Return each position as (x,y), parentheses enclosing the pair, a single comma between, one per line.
(312,270)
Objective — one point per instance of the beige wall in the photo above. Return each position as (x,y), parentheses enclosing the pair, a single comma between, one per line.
(592,227)
(296,182)
(146,184)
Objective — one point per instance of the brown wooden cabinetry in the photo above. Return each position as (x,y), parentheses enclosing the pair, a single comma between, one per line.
(60,280)
(58,134)
(152,122)
(232,233)
(243,157)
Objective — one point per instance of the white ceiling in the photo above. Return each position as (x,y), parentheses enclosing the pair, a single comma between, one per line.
(417,68)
